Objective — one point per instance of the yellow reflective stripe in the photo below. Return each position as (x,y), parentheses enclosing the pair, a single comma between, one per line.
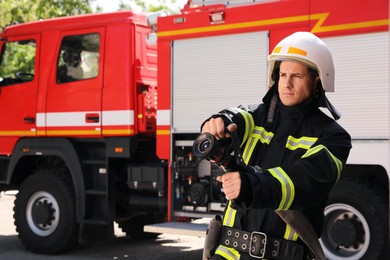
(249,147)
(263,135)
(277,49)
(293,50)
(316,149)
(228,220)
(227,252)
(230,215)
(259,133)
(303,142)
(289,234)
(288,189)
(249,124)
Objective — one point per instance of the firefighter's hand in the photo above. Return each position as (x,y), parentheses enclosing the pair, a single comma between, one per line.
(231,183)
(216,127)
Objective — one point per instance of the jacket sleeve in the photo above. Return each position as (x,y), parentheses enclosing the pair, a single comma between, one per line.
(242,116)
(306,182)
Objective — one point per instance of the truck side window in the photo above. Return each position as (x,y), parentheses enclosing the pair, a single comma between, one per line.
(78,58)
(17,62)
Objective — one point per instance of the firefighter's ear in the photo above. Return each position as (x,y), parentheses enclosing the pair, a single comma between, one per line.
(317,86)
(317,81)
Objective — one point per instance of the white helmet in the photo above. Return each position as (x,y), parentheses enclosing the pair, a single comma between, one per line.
(307,48)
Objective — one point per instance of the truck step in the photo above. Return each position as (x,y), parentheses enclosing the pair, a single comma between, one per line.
(4,162)
(178,228)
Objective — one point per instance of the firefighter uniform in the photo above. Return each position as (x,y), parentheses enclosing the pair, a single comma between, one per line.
(301,152)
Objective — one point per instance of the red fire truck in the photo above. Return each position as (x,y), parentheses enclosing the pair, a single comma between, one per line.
(89,138)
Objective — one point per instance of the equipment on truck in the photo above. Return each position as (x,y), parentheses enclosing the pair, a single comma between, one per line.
(95,129)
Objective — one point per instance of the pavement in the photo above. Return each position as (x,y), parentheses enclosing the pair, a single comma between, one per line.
(166,246)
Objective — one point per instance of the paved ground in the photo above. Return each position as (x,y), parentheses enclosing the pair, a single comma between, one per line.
(166,246)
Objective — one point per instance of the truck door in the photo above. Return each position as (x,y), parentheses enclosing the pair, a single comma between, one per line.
(75,89)
(18,90)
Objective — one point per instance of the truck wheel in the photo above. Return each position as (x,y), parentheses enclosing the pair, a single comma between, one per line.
(356,222)
(44,212)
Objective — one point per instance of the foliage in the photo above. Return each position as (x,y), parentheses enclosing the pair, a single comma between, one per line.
(14,12)
(20,56)
(150,6)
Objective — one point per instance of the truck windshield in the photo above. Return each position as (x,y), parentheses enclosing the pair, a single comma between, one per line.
(17,62)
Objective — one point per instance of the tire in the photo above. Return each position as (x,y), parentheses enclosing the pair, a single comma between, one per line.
(44,213)
(356,222)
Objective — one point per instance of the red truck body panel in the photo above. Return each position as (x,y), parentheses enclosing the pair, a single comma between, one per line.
(118,99)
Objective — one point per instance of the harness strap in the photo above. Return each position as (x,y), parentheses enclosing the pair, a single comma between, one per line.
(261,246)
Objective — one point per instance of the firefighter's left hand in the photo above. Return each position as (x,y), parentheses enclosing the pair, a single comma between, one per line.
(231,183)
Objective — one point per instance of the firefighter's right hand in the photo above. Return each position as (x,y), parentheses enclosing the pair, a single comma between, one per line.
(231,184)
(216,127)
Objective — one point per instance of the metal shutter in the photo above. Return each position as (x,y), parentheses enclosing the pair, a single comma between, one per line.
(362,83)
(213,73)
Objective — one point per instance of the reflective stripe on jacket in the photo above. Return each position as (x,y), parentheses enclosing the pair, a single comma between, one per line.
(302,155)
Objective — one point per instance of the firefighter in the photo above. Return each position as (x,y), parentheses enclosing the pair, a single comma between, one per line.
(301,151)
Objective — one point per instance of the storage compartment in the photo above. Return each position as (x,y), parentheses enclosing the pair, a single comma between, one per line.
(149,177)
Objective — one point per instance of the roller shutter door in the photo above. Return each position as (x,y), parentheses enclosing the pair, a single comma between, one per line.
(213,73)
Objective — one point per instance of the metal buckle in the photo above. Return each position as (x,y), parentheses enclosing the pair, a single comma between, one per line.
(263,242)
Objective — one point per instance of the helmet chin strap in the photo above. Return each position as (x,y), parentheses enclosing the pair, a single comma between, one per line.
(271,109)
(323,101)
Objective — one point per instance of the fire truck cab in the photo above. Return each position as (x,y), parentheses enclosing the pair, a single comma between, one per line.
(78,101)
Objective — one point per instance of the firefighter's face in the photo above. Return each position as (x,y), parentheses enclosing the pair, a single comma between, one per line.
(296,84)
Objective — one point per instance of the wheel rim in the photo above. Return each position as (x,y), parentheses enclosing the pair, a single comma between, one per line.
(342,217)
(42,213)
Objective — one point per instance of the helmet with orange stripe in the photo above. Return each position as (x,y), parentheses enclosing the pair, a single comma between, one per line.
(307,48)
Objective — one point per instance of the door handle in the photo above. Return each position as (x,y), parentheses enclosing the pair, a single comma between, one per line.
(29,120)
(92,118)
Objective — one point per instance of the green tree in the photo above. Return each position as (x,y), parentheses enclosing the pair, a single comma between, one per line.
(13,12)
(147,6)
